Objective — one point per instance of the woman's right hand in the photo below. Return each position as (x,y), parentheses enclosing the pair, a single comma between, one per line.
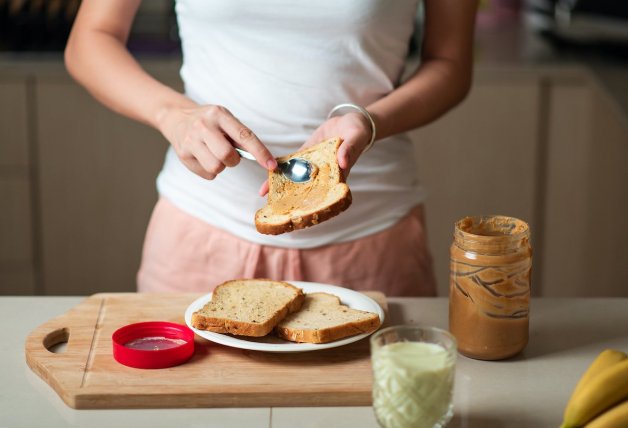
(204,136)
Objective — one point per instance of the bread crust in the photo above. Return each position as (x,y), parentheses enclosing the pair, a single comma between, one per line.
(325,335)
(303,221)
(329,334)
(243,328)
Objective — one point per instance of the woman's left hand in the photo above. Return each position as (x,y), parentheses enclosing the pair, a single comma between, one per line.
(355,131)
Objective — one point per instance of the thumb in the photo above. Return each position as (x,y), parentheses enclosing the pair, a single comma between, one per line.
(347,155)
(263,190)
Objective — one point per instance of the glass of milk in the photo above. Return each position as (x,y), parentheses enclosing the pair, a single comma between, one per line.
(413,376)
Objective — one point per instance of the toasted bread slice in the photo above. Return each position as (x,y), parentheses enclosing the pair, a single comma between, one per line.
(248,307)
(323,319)
(292,206)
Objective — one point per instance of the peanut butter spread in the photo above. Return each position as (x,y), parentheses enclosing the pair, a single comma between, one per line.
(293,206)
(490,286)
(302,196)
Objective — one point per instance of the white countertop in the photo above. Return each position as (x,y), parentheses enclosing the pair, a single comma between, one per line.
(529,390)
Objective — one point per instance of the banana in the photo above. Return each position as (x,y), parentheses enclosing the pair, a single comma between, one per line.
(607,388)
(605,359)
(617,417)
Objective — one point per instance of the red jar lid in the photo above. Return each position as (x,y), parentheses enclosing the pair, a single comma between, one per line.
(153,344)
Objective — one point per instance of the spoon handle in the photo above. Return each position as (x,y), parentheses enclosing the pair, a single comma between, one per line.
(245,154)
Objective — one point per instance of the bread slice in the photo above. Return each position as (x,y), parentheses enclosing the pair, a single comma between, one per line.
(323,319)
(292,206)
(248,307)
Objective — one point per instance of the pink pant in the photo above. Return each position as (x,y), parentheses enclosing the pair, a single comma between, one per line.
(183,253)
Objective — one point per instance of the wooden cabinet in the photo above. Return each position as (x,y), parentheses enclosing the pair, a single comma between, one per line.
(77,185)
(565,192)
(480,159)
(605,268)
(585,246)
(549,148)
(97,179)
(14,153)
(17,267)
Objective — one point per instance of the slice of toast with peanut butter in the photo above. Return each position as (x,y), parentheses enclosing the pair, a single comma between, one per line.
(291,206)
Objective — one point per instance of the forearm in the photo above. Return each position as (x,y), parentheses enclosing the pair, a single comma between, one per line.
(439,85)
(444,78)
(101,63)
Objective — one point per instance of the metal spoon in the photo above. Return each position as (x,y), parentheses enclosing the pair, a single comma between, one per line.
(297,170)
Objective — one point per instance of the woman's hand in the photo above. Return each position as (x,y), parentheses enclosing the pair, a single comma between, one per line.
(97,57)
(203,138)
(353,128)
(355,131)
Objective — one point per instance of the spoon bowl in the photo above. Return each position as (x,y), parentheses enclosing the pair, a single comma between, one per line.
(297,170)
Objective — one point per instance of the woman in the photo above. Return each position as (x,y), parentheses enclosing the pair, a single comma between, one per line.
(264,75)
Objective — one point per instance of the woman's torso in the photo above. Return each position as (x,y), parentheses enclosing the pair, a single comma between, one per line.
(279,67)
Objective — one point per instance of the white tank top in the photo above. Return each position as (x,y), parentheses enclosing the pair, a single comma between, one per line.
(280,66)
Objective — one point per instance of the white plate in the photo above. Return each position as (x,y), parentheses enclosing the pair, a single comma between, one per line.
(271,343)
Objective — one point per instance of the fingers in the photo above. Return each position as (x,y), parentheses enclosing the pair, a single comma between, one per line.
(221,148)
(206,137)
(207,160)
(200,159)
(344,156)
(245,138)
(263,190)
(349,152)
(194,165)
(354,132)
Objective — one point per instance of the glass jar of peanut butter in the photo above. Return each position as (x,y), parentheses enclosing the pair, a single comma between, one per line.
(489,286)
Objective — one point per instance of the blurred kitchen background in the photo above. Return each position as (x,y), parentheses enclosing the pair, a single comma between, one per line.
(543,136)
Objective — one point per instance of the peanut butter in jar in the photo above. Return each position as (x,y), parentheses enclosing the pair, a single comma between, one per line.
(489,286)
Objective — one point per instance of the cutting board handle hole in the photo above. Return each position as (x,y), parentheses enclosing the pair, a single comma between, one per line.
(57,340)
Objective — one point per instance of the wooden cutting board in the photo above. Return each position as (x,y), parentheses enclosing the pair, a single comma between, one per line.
(87,377)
